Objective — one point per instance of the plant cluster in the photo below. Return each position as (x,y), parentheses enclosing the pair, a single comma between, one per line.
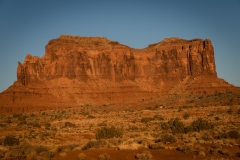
(177,126)
(69,124)
(199,125)
(145,155)
(167,138)
(146,119)
(108,132)
(95,144)
(10,141)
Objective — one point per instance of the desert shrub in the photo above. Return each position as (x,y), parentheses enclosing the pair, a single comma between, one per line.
(186,115)
(189,101)
(201,153)
(40,149)
(2,125)
(10,141)
(156,146)
(217,118)
(15,115)
(14,154)
(36,125)
(69,124)
(165,126)
(216,146)
(206,136)
(238,112)
(133,128)
(238,154)
(213,151)
(199,125)
(176,125)
(46,155)
(230,111)
(233,134)
(85,113)
(22,122)
(104,156)
(47,125)
(81,156)
(32,155)
(22,118)
(95,144)
(167,138)
(146,119)
(185,148)
(222,135)
(108,132)
(1,154)
(158,117)
(129,145)
(91,116)
(67,147)
(145,155)
(9,120)
(224,152)
(102,124)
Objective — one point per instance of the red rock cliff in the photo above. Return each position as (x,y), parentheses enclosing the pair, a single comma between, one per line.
(85,58)
(77,70)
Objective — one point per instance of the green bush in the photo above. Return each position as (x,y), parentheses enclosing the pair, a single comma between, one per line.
(69,124)
(104,156)
(186,115)
(238,154)
(158,117)
(47,125)
(15,115)
(108,132)
(95,144)
(176,125)
(36,125)
(2,125)
(238,112)
(145,155)
(167,138)
(91,116)
(233,134)
(224,152)
(199,125)
(10,141)
(146,119)
(217,118)
(165,126)
(230,111)
(157,146)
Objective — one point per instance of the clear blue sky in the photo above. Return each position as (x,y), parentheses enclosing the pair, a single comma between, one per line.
(26,26)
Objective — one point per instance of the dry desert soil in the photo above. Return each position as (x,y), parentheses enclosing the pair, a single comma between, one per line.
(207,127)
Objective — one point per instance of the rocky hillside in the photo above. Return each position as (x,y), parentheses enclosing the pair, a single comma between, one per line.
(82,70)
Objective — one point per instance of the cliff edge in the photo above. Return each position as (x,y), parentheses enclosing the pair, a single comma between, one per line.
(78,70)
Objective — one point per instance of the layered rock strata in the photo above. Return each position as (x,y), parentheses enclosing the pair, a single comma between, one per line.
(79,70)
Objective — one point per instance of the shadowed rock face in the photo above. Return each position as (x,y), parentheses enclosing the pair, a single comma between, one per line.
(79,70)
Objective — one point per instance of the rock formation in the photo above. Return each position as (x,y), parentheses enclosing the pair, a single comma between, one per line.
(79,70)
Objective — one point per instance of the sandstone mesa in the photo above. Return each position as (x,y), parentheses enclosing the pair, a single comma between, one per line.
(83,70)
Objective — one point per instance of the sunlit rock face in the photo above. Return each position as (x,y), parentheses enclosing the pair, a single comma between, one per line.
(79,70)
(90,58)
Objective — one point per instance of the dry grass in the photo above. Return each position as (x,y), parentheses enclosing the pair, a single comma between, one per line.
(74,129)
